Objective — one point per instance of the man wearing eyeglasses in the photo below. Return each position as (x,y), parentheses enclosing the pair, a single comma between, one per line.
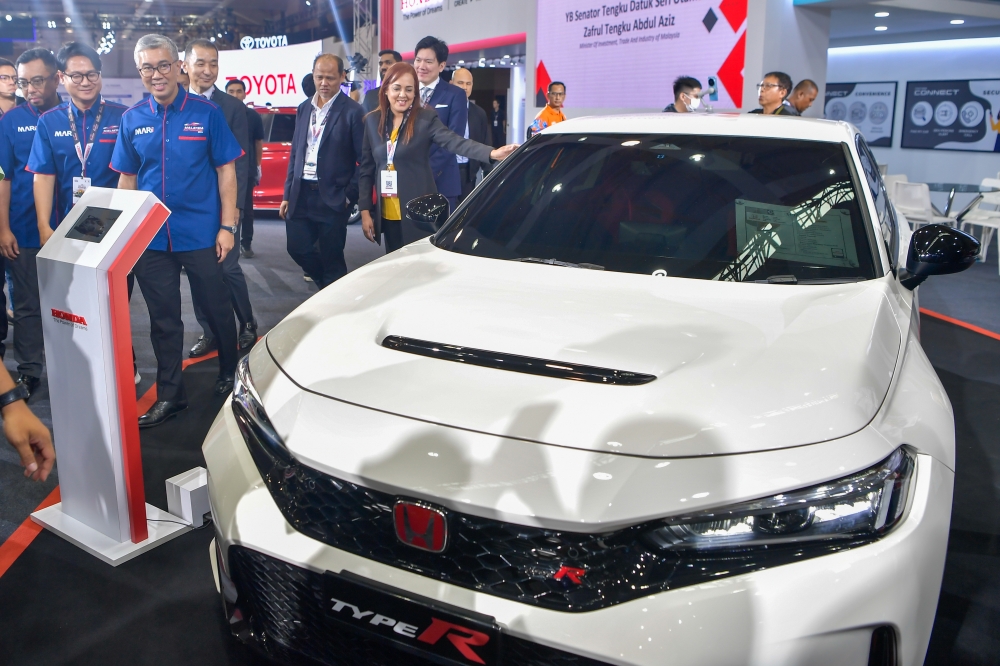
(8,87)
(178,146)
(74,142)
(771,94)
(19,240)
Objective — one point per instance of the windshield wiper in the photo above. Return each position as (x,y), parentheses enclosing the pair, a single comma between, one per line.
(556,262)
(791,279)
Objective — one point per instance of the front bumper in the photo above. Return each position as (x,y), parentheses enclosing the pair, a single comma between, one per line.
(819,611)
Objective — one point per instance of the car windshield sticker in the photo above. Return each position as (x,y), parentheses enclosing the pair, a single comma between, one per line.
(805,234)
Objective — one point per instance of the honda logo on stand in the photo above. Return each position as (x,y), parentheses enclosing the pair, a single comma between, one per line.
(420,526)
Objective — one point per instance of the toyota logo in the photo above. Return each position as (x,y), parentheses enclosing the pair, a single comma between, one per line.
(246,42)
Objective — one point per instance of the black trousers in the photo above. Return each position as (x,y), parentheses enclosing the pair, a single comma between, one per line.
(159,276)
(468,180)
(236,282)
(28,342)
(392,234)
(246,226)
(315,237)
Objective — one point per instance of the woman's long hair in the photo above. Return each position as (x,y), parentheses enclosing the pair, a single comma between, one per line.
(397,71)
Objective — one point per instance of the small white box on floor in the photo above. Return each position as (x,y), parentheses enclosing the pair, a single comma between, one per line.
(187,496)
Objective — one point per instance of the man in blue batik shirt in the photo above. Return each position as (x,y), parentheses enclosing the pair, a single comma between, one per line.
(19,241)
(179,147)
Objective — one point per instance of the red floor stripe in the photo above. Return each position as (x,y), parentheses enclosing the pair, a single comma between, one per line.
(22,537)
(959,322)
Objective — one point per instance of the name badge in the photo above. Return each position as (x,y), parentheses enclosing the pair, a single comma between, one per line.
(390,184)
(80,186)
(309,170)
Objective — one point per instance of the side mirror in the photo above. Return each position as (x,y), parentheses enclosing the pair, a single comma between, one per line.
(428,212)
(937,250)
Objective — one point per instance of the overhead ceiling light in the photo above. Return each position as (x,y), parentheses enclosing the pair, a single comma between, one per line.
(69,20)
(9,17)
(211,39)
(880,28)
(881,14)
(630,143)
(698,157)
(953,21)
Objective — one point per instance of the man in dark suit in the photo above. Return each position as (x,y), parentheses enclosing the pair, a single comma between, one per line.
(238,89)
(322,180)
(386,59)
(477,129)
(202,64)
(451,104)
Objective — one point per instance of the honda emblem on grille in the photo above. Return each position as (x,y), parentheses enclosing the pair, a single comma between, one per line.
(574,574)
(420,526)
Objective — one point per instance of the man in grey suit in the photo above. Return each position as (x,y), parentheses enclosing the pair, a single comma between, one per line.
(386,59)
(202,64)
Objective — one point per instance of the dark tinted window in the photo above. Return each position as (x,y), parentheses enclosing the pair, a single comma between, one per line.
(715,208)
(282,128)
(883,209)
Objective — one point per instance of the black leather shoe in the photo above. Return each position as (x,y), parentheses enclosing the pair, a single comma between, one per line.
(223,385)
(162,410)
(248,253)
(30,383)
(204,346)
(248,336)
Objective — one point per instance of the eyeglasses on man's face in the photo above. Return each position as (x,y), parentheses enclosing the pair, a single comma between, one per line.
(37,82)
(8,78)
(146,71)
(77,77)
(768,85)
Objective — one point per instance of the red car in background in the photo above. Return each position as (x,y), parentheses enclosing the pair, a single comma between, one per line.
(279,126)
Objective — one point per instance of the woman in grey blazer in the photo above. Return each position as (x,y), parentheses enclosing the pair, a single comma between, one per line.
(416,128)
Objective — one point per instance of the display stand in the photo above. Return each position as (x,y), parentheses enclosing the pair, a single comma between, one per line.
(82,281)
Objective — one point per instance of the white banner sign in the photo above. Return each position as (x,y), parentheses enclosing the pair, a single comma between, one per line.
(410,7)
(271,75)
(626,54)
(871,107)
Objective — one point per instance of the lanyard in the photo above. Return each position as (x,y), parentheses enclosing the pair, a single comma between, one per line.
(390,145)
(316,131)
(80,152)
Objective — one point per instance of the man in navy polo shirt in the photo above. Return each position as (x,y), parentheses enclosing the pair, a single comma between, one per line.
(60,145)
(19,242)
(178,147)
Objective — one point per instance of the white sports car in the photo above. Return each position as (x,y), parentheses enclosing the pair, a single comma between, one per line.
(654,394)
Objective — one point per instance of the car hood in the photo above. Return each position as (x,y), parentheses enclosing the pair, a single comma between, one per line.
(739,367)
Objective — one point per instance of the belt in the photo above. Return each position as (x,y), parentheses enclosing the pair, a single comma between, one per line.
(310,184)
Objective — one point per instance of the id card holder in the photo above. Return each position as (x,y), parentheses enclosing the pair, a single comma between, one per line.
(80,186)
(309,170)
(390,184)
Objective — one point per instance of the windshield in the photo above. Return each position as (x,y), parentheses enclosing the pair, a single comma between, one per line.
(706,207)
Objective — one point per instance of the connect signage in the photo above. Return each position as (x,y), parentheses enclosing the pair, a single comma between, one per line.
(271,42)
(953,115)
(870,107)
(416,7)
(271,75)
(588,45)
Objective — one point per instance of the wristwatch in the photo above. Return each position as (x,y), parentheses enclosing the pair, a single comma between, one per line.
(231,230)
(19,392)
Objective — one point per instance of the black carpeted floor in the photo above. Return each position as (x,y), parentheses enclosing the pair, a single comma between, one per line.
(61,606)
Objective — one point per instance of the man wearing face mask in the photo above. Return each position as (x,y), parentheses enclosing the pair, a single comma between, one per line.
(687,95)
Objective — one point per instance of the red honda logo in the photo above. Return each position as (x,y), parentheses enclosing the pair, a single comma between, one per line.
(420,526)
(574,574)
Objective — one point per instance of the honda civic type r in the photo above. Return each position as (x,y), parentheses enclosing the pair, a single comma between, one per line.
(653,394)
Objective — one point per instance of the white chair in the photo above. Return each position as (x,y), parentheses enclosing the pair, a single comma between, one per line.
(914,201)
(985,213)
(883,169)
(891,179)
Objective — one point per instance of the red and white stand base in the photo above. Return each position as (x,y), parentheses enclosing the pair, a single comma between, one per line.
(82,281)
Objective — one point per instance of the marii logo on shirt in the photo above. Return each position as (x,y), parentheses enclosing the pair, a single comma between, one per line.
(26,128)
(59,133)
(143,130)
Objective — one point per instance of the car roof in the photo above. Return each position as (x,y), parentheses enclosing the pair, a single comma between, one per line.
(725,124)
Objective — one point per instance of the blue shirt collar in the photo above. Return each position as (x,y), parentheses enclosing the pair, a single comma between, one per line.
(92,110)
(175,105)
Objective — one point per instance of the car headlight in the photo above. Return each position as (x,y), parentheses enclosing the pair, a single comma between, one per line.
(864,505)
(254,425)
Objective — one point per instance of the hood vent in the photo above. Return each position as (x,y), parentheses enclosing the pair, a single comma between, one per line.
(515,363)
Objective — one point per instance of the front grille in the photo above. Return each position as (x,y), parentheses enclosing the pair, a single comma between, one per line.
(285,607)
(494,557)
